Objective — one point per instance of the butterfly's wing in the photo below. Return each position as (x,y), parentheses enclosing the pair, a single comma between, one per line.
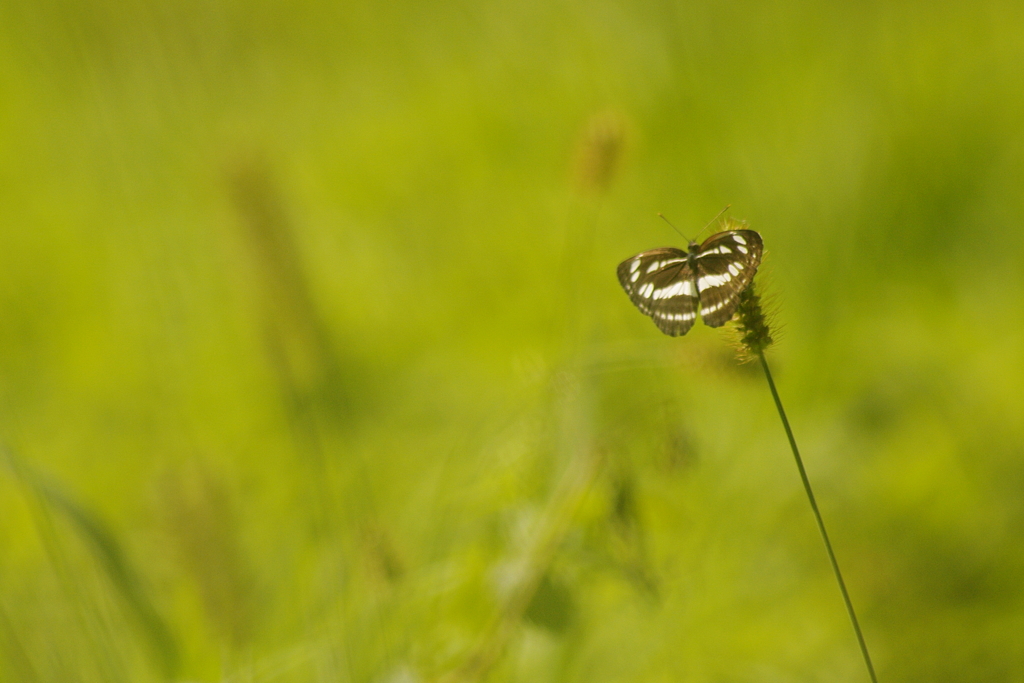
(661,284)
(726,264)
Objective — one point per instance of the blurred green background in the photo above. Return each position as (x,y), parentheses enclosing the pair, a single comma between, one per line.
(314,366)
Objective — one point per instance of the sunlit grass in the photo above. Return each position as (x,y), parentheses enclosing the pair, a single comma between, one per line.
(313,366)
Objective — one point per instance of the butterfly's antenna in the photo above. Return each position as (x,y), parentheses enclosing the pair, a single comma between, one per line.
(662,217)
(714,219)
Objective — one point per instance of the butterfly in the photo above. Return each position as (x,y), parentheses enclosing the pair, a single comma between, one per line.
(670,284)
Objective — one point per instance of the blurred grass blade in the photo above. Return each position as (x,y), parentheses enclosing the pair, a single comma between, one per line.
(12,651)
(110,556)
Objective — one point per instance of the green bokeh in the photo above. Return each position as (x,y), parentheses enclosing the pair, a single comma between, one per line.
(313,364)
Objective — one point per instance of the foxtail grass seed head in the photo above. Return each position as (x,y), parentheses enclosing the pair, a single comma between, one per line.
(202,529)
(753,325)
(599,153)
(297,341)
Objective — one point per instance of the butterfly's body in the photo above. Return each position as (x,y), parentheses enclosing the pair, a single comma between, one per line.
(670,284)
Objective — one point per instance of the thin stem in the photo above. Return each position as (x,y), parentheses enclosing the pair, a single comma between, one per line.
(817,517)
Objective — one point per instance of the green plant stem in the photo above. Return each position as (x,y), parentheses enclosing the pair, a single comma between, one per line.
(817,517)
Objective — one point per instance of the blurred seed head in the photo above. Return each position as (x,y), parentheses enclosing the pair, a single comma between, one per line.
(599,152)
(200,522)
(382,561)
(295,333)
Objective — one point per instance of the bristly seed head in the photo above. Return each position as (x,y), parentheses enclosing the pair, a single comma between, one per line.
(753,328)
